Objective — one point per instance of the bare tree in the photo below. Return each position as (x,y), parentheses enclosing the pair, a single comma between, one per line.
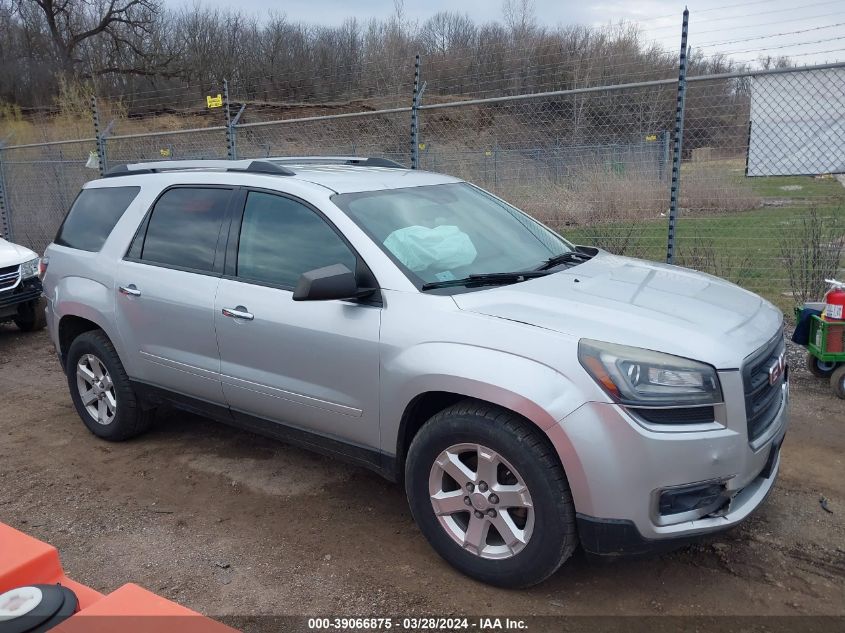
(446,31)
(520,18)
(74,26)
(141,46)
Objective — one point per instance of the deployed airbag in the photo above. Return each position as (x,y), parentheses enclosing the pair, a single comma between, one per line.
(418,247)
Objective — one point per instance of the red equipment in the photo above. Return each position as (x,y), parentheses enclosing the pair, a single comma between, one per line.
(835,301)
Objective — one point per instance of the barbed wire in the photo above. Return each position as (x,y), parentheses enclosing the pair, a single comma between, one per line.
(761,37)
(750,15)
(695,32)
(832,50)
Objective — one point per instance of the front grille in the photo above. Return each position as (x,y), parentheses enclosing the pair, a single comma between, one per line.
(9,277)
(763,398)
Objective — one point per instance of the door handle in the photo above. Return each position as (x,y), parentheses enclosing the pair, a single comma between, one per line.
(130,291)
(238,312)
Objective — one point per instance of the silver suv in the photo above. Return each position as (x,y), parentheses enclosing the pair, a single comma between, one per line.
(531,394)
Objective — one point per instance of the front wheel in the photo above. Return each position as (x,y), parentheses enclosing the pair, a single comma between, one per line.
(31,316)
(488,492)
(819,368)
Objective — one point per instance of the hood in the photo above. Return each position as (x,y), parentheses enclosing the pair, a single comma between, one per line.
(643,304)
(12,254)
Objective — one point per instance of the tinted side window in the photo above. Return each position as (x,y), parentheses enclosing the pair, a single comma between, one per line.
(281,239)
(185,226)
(93,216)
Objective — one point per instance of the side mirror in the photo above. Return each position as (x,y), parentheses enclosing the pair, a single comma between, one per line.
(331,282)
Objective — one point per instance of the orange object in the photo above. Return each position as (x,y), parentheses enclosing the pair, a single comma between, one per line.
(132,609)
(27,561)
(129,609)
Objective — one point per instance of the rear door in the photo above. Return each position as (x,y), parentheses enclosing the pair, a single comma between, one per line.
(165,289)
(308,364)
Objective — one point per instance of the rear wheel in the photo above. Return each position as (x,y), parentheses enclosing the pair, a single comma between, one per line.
(31,316)
(101,391)
(489,494)
(837,381)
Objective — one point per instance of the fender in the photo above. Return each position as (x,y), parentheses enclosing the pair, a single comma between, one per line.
(536,391)
(91,300)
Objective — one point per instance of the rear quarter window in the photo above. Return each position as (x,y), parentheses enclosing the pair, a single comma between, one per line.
(93,215)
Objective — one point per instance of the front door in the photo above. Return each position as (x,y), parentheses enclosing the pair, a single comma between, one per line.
(308,364)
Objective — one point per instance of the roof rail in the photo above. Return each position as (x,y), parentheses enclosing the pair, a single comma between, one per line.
(357,161)
(247,166)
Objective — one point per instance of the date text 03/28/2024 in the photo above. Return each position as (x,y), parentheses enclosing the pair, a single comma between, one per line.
(491,624)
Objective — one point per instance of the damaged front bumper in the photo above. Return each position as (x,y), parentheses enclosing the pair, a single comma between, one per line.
(621,474)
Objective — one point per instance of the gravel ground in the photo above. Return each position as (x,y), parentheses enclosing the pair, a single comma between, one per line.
(229,523)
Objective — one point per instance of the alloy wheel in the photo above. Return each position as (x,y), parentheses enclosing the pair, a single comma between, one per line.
(481,501)
(96,390)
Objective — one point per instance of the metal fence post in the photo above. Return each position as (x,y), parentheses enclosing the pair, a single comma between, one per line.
(675,186)
(415,130)
(232,125)
(5,210)
(101,146)
(496,166)
(231,153)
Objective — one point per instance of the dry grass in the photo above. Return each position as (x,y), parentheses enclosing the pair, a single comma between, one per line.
(600,197)
(716,190)
(70,117)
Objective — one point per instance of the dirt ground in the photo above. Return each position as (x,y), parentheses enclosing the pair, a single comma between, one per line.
(229,523)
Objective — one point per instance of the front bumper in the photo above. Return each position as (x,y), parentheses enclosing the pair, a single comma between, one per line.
(28,290)
(618,467)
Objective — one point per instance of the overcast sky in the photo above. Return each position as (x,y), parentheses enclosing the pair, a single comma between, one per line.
(739,28)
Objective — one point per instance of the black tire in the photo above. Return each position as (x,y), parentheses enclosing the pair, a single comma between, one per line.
(129,419)
(554,536)
(31,316)
(819,368)
(837,381)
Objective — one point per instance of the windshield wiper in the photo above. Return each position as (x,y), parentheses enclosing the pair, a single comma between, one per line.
(486,279)
(568,257)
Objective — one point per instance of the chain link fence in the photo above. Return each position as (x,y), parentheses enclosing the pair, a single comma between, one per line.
(761,203)
(381,133)
(41,181)
(591,163)
(757,203)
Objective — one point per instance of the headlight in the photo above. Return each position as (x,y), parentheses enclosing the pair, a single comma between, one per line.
(29,269)
(644,378)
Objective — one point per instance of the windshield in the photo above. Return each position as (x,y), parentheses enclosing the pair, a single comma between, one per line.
(439,233)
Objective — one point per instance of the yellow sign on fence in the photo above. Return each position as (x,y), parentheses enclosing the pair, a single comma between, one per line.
(650,137)
(215,102)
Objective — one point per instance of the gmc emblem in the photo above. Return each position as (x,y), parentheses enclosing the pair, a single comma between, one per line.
(777,368)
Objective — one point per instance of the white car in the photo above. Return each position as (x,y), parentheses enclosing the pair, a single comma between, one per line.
(20,287)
